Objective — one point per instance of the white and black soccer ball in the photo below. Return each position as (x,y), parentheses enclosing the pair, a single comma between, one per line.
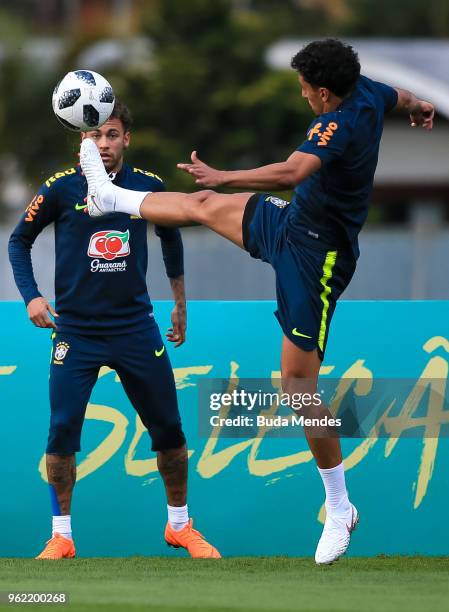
(83,100)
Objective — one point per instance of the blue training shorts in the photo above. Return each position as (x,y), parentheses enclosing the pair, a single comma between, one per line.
(141,361)
(309,280)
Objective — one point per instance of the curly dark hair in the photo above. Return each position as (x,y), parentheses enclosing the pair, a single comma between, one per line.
(122,112)
(328,63)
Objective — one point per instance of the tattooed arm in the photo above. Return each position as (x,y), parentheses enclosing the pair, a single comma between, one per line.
(177,333)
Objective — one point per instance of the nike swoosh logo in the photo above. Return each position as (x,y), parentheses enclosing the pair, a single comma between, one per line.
(80,206)
(160,352)
(351,527)
(295,332)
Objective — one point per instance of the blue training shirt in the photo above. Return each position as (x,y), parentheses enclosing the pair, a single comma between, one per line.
(101,262)
(330,207)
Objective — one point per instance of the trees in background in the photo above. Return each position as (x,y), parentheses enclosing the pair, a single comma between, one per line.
(208,88)
(206,84)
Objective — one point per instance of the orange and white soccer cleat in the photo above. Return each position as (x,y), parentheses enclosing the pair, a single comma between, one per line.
(58,547)
(192,541)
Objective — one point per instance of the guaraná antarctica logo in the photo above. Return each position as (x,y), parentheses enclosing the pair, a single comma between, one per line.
(108,245)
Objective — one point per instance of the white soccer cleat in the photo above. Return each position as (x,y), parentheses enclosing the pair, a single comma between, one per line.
(100,190)
(336,536)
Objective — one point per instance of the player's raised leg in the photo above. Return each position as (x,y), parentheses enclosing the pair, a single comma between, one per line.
(300,369)
(221,213)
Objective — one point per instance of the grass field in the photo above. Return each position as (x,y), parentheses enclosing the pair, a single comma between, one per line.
(282,584)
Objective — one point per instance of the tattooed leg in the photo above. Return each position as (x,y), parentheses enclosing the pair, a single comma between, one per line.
(61,474)
(172,466)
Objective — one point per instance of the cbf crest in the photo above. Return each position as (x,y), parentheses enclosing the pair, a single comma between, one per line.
(277,201)
(61,351)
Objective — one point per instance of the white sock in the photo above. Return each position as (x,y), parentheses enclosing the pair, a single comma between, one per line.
(178,516)
(337,501)
(128,201)
(63,526)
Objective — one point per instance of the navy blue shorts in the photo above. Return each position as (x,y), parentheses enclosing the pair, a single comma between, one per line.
(141,361)
(309,281)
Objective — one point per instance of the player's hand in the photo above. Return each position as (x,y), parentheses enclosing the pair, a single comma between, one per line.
(177,333)
(204,175)
(38,310)
(422,115)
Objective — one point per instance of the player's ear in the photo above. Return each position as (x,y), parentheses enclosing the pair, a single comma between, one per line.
(126,139)
(324,94)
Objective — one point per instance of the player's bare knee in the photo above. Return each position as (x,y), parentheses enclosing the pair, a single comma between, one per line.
(197,204)
(296,384)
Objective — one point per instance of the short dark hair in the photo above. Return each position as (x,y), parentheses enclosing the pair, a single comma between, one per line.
(328,63)
(122,112)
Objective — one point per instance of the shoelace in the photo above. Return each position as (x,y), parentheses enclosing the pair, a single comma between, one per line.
(52,545)
(193,536)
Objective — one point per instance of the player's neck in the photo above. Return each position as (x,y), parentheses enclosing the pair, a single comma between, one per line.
(116,169)
(332,104)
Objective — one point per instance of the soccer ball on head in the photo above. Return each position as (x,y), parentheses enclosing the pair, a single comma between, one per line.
(83,100)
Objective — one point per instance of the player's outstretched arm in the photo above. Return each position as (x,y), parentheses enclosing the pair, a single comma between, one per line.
(282,175)
(421,112)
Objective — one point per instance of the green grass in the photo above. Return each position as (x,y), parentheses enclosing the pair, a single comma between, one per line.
(283,584)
